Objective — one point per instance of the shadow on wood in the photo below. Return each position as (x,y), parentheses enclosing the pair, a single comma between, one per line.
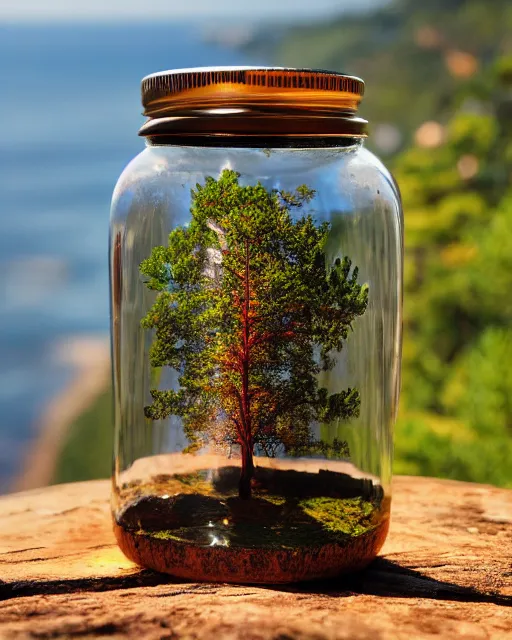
(391,580)
(382,578)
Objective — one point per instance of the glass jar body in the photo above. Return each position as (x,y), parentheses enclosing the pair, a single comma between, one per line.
(256,335)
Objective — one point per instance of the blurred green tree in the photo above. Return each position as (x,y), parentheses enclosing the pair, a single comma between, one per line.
(458,275)
(426,50)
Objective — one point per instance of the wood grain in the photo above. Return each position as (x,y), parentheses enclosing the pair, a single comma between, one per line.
(445,571)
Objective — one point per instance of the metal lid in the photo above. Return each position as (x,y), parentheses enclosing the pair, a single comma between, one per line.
(237,86)
(253,91)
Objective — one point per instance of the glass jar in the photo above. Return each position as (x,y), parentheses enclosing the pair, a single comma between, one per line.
(256,285)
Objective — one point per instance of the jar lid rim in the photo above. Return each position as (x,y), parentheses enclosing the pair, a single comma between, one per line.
(263,69)
(166,92)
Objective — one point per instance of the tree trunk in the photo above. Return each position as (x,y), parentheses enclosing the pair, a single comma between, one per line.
(244,489)
(244,486)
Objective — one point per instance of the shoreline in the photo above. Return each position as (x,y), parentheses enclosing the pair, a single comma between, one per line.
(89,358)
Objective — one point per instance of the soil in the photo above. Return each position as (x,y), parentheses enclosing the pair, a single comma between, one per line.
(297,525)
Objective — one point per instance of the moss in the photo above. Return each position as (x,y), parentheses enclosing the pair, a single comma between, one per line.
(352,516)
(277,500)
(163,535)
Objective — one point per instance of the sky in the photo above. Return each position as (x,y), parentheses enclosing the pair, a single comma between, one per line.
(53,10)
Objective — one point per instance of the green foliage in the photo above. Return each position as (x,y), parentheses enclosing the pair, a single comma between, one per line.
(458,314)
(457,453)
(87,451)
(479,389)
(249,313)
(401,51)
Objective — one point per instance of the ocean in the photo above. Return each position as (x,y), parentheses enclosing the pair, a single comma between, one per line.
(69,112)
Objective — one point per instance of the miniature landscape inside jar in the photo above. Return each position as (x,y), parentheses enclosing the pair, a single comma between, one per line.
(248,320)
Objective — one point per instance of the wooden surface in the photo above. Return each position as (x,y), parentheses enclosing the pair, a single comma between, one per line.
(445,571)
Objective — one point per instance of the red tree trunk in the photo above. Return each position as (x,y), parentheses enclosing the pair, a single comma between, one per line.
(244,490)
